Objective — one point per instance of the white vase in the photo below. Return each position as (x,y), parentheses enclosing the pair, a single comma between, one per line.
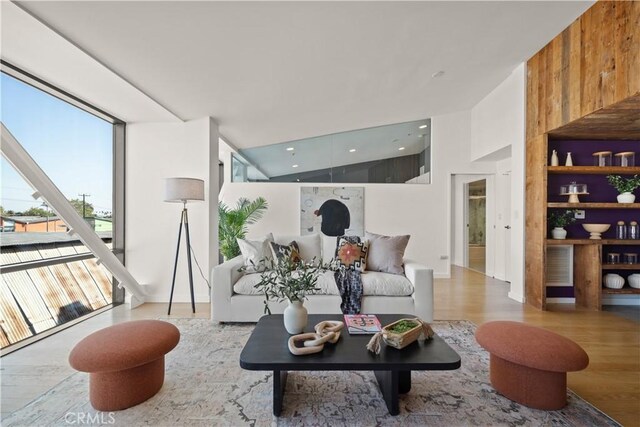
(626,198)
(569,161)
(613,281)
(554,158)
(559,233)
(634,281)
(295,317)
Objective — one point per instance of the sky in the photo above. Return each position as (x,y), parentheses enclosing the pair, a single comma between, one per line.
(73,147)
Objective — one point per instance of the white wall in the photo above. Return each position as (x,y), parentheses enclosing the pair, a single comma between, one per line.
(498,123)
(423,211)
(156,151)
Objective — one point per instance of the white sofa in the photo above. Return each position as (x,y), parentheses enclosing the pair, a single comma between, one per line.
(234,298)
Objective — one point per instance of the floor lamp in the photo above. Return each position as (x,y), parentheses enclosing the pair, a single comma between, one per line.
(183,190)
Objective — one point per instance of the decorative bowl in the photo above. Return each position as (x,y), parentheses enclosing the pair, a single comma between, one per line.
(634,280)
(403,339)
(613,281)
(596,230)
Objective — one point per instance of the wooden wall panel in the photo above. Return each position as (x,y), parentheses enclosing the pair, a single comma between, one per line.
(536,220)
(591,65)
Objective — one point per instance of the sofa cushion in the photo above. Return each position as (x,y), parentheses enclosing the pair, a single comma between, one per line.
(385,284)
(310,246)
(373,283)
(289,252)
(246,284)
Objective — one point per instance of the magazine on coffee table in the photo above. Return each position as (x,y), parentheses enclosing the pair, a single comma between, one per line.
(362,324)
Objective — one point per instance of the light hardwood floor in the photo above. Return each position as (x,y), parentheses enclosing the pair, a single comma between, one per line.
(611,382)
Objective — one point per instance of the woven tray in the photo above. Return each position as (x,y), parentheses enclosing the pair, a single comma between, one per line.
(402,340)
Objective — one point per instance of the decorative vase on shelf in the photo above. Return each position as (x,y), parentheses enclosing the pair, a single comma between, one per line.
(559,233)
(626,197)
(554,158)
(613,281)
(569,161)
(295,317)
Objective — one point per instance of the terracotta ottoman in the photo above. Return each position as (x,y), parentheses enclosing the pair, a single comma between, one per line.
(529,364)
(125,362)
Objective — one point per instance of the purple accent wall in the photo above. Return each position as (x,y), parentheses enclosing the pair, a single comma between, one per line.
(582,150)
(597,185)
(560,292)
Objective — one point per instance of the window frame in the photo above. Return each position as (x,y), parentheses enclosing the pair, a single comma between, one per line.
(118,202)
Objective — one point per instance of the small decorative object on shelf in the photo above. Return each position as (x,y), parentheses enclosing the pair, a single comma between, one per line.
(569,161)
(558,221)
(602,158)
(625,187)
(400,334)
(554,158)
(626,159)
(633,231)
(630,258)
(573,190)
(621,230)
(634,281)
(327,331)
(596,230)
(613,281)
(613,258)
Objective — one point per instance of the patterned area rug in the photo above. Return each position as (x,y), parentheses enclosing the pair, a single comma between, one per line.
(205,386)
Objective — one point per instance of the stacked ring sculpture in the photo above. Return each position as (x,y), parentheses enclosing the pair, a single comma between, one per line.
(327,331)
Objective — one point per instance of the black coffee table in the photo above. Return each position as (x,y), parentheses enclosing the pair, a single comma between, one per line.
(266,350)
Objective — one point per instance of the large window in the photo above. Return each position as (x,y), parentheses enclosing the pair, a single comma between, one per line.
(49,278)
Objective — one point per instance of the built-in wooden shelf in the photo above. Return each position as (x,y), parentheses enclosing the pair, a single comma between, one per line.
(624,290)
(593,170)
(594,205)
(621,266)
(592,242)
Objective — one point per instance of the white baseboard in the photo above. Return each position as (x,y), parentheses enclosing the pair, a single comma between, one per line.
(621,300)
(559,300)
(516,296)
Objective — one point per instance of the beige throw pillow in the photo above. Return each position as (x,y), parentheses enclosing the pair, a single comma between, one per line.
(386,253)
(253,251)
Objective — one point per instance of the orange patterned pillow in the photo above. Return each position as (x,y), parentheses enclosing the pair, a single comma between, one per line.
(352,256)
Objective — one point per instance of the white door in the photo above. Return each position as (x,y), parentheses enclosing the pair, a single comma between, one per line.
(507,229)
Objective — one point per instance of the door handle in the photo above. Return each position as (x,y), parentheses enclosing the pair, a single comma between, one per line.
(508,227)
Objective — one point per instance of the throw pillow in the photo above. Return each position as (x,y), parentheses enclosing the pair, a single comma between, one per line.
(253,251)
(386,253)
(309,246)
(352,255)
(290,251)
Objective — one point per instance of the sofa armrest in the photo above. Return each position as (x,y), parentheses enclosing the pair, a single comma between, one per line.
(422,279)
(223,277)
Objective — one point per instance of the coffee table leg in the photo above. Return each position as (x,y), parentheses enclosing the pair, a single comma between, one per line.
(279,384)
(404,382)
(389,383)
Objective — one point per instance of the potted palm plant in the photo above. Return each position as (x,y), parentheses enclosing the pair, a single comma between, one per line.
(286,279)
(625,187)
(558,221)
(233,222)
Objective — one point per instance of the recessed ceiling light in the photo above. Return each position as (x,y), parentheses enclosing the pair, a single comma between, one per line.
(437,74)
(289,148)
(294,166)
(423,126)
(401,148)
(353,150)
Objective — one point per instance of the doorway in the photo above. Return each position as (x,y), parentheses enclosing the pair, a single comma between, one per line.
(476,225)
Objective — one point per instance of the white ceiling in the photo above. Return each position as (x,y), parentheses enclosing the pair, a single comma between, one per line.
(270,72)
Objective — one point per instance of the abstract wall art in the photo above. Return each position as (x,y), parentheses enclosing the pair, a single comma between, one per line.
(332,211)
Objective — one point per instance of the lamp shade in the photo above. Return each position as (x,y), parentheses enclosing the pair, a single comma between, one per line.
(183,189)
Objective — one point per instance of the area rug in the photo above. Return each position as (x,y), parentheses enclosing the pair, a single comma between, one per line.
(205,386)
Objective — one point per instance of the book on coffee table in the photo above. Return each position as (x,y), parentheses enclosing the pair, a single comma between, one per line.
(362,324)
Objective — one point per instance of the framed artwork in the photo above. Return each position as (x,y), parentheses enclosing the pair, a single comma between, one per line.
(332,211)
